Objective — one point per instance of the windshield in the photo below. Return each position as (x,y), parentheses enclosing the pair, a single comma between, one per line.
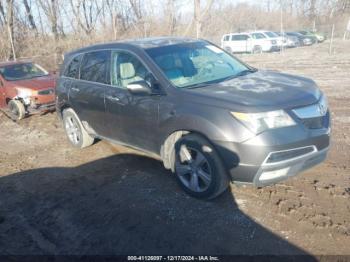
(271,34)
(22,71)
(193,64)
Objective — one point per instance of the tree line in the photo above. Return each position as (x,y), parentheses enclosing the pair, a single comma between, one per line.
(46,27)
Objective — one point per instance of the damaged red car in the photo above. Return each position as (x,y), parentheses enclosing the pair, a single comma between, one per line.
(26,88)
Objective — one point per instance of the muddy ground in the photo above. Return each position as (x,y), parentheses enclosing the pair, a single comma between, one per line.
(107,199)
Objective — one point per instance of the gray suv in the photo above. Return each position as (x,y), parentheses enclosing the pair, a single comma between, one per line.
(209,117)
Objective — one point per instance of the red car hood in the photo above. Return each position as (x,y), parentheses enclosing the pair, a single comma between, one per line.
(37,83)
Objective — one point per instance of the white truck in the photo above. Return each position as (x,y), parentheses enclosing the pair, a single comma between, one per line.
(247,43)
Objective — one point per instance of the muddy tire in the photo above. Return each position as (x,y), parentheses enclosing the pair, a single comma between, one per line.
(75,131)
(198,168)
(257,49)
(17,110)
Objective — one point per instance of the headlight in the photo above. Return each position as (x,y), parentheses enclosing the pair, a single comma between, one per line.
(24,92)
(259,122)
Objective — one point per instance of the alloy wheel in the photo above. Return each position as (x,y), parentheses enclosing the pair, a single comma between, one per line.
(193,169)
(73,130)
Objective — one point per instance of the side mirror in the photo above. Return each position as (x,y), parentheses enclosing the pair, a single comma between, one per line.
(139,88)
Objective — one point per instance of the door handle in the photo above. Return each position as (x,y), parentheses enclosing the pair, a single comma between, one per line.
(114,98)
(75,89)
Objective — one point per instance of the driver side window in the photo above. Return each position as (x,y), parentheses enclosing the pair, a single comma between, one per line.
(126,68)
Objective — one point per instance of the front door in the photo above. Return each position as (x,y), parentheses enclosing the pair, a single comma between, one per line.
(88,92)
(131,119)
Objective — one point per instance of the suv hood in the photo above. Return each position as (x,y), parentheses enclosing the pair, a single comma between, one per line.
(36,83)
(259,91)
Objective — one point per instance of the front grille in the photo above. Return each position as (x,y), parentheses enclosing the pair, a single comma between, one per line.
(46,92)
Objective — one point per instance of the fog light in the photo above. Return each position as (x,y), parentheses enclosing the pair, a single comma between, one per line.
(274,174)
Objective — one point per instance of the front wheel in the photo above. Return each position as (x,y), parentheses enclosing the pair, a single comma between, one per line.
(257,49)
(17,110)
(198,168)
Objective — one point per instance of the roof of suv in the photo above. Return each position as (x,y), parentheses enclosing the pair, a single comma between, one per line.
(143,43)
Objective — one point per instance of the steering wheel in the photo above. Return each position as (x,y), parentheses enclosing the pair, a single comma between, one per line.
(206,67)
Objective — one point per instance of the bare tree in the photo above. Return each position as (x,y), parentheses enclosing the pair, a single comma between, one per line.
(29,15)
(116,10)
(86,13)
(171,14)
(139,23)
(7,18)
(199,16)
(50,9)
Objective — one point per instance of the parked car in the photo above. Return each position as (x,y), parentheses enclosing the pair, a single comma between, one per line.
(26,88)
(303,40)
(291,41)
(318,36)
(246,43)
(263,37)
(277,40)
(208,116)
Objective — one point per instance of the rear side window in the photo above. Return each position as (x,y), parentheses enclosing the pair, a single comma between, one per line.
(95,67)
(239,38)
(72,69)
(258,36)
(226,38)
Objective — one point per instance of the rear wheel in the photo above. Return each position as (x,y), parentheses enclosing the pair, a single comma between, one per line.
(17,110)
(257,49)
(228,50)
(75,131)
(198,168)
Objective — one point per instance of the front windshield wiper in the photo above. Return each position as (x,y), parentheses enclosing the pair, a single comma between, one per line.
(242,73)
(247,71)
(197,85)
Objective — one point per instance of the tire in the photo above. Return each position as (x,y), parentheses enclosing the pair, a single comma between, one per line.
(206,180)
(17,110)
(228,50)
(257,49)
(75,131)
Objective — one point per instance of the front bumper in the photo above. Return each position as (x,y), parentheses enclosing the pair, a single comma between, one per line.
(38,104)
(40,108)
(278,171)
(274,156)
(275,48)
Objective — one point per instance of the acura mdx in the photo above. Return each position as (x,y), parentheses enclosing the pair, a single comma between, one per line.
(208,116)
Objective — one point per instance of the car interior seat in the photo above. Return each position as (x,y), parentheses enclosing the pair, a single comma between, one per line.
(171,70)
(127,74)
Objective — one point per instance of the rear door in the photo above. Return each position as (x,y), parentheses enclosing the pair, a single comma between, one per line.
(67,76)
(239,43)
(2,93)
(87,93)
